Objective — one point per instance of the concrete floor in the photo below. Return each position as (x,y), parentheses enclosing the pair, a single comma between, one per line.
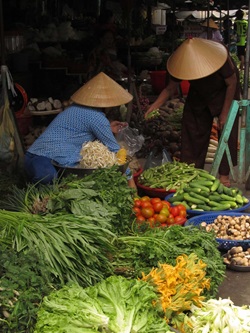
(236,285)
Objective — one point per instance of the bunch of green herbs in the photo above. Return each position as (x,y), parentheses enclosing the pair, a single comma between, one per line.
(141,251)
(75,248)
(24,281)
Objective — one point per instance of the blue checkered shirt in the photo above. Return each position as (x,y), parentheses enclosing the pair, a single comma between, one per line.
(63,138)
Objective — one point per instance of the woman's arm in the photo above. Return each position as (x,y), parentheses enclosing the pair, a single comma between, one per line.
(231,83)
(166,93)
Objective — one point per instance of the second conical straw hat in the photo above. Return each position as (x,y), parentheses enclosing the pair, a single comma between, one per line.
(196,58)
(210,24)
(102,92)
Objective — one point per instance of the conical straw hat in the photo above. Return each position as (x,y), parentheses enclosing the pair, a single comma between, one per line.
(196,58)
(210,24)
(101,91)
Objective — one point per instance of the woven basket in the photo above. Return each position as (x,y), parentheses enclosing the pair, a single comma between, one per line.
(224,244)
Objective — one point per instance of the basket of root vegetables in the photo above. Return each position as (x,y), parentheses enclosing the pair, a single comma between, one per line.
(230,229)
(237,259)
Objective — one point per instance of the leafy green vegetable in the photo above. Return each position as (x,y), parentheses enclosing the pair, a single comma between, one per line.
(144,250)
(74,247)
(114,305)
(24,281)
(106,191)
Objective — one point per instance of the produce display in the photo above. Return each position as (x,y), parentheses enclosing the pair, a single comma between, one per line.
(206,193)
(236,256)
(161,129)
(158,213)
(230,227)
(169,176)
(34,104)
(76,244)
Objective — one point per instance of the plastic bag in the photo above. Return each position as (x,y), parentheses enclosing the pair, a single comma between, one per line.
(7,145)
(130,139)
(156,159)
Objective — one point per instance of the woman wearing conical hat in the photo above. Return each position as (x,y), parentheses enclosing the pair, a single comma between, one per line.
(211,31)
(214,84)
(83,121)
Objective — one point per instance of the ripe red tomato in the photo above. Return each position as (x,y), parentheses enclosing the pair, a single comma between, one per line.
(170,220)
(166,203)
(180,220)
(161,218)
(147,212)
(157,206)
(174,210)
(137,203)
(145,204)
(181,207)
(182,213)
(137,211)
(154,200)
(140,219)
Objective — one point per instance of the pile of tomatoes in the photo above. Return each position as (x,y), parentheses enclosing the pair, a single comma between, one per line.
(157,212)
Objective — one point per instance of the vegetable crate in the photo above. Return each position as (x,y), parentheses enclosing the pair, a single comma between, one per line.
(224,244)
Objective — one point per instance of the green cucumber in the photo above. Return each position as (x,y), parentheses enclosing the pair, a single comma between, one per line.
(221,207)
(192,189)
(245,199)
(198,196)
(204,207)
(220,188)
(207,183)
(198,185)
(214,197)
(239,199)
(215,185)
(227,197)
(232,204)
(228,191)
(204,194)
(191,199)
(207,175)
(176,197)
(212,203)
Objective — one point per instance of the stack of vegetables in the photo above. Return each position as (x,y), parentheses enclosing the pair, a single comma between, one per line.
(207,193)
(194,188)
(213,143)
(73,245)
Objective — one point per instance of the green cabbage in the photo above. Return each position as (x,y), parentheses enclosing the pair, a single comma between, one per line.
(115,305)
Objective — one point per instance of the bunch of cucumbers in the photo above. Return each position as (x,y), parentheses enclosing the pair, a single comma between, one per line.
(207,193)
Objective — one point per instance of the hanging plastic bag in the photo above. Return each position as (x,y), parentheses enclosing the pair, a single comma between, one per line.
(156,159)
(130,139)
(7,145)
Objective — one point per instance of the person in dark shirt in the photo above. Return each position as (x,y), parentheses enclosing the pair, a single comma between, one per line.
(214,84)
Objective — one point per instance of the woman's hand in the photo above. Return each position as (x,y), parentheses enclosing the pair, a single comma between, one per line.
(116,126)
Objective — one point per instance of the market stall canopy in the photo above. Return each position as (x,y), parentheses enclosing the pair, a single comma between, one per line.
(201,15)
